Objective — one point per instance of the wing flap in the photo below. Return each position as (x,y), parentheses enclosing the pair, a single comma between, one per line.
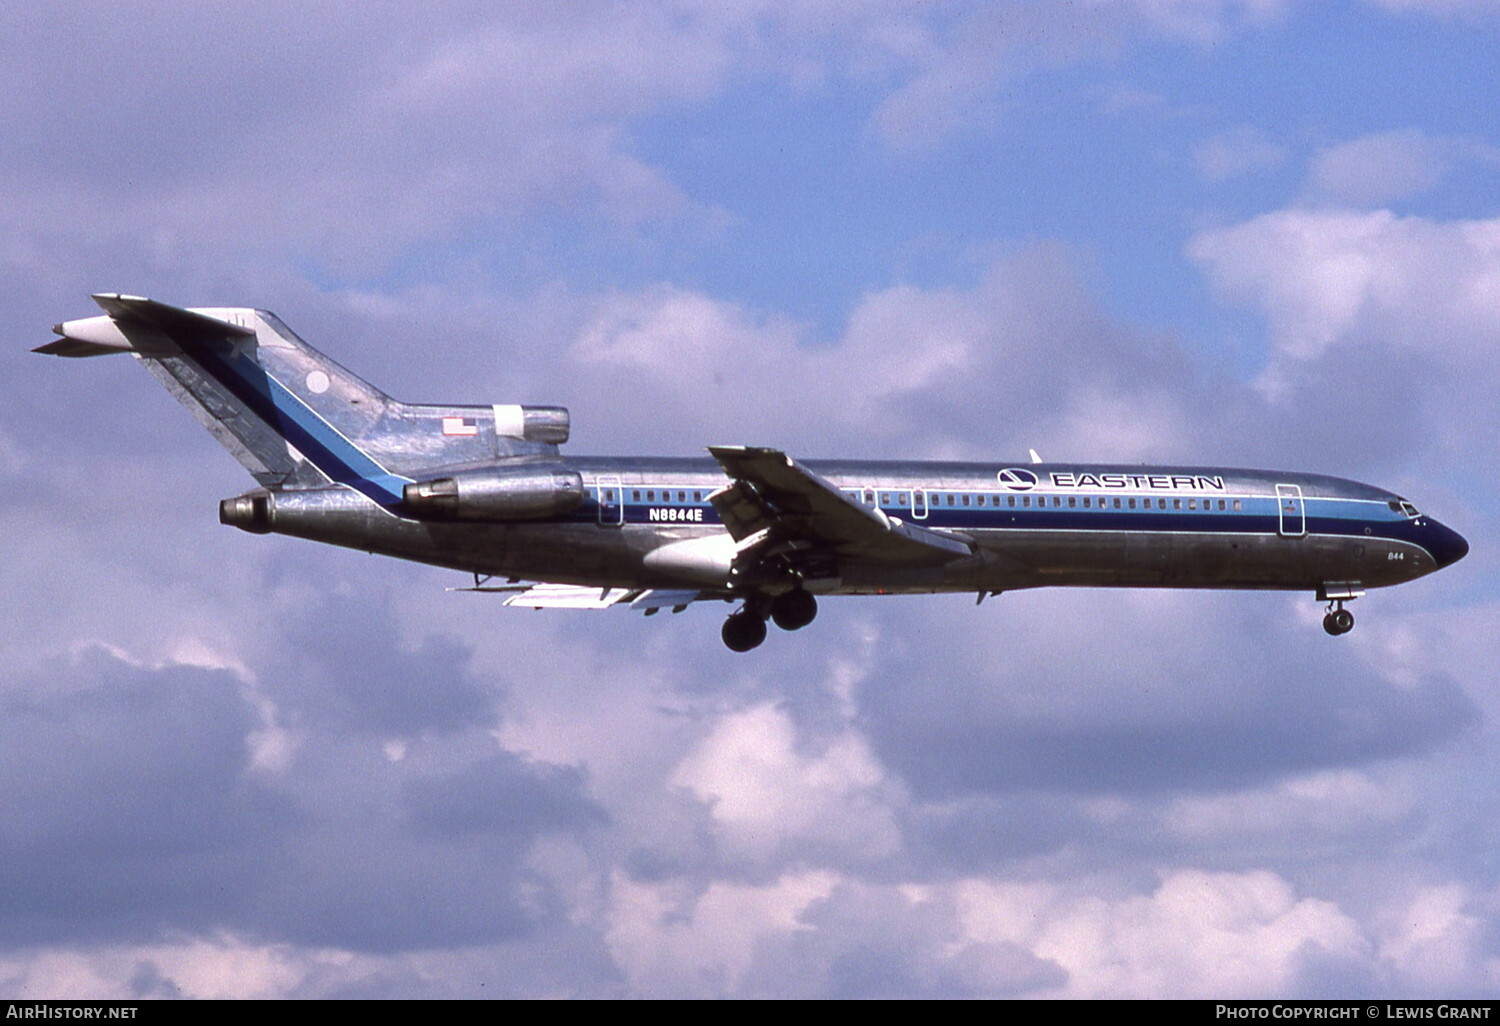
(771,492)
(574,596)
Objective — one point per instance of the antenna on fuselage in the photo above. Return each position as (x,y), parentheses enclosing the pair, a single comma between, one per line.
(1034,457)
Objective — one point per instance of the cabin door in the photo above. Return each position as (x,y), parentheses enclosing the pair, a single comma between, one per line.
(919,504)
(611,502)
(1291,518)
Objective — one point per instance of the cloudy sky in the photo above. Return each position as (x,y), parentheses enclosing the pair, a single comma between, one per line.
(1251,232)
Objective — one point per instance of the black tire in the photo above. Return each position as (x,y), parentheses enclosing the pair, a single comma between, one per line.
(793,610)
(1343,621)
(743,631)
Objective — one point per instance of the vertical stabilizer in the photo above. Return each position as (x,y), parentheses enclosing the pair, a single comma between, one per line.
(290,415)
(293,417)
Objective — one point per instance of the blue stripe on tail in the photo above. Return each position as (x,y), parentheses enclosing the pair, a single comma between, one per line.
(320,442)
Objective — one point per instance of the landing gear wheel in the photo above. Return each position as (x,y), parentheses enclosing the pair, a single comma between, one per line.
(793,610)
(743,631)
(1338,621)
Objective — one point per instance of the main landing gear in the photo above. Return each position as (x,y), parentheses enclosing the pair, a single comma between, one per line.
(1338,620)
(745,628)
(793,610)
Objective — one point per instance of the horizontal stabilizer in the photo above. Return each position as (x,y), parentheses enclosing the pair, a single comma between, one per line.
(73,348)
(135,325)
(173,321)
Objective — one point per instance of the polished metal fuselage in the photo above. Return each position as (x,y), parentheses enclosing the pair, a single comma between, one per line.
(1030,526)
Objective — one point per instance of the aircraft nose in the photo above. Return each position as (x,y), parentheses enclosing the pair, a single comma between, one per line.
(1446,545)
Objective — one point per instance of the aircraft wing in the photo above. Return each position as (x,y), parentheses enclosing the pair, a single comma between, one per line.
(771,492)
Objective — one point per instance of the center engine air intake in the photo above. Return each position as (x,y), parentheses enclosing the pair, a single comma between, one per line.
(496,495)
(534,423)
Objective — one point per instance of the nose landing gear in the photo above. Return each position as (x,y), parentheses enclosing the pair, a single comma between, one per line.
(1338,620)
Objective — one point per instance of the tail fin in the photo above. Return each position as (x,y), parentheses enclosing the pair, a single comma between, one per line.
(288,413)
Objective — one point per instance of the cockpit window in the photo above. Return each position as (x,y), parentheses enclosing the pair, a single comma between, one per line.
(1403,507)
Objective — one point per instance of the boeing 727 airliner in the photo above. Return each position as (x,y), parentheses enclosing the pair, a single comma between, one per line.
(485,489)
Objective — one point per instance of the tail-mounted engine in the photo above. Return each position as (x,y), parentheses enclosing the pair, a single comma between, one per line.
(495,495)
(548,424)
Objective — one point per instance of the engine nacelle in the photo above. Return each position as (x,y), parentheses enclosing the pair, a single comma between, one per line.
(496,495)
(534,423)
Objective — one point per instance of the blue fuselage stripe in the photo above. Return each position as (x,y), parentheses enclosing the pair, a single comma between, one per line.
(1353,518)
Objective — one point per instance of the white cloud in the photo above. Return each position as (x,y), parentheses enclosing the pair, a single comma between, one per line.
(1320,809)
(919,372)
(770,797)
(1375,170)
(671,942)
(955,78)
(1240,151)
(1343,279)
(1198,934)
(350,139)
(1435,941)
